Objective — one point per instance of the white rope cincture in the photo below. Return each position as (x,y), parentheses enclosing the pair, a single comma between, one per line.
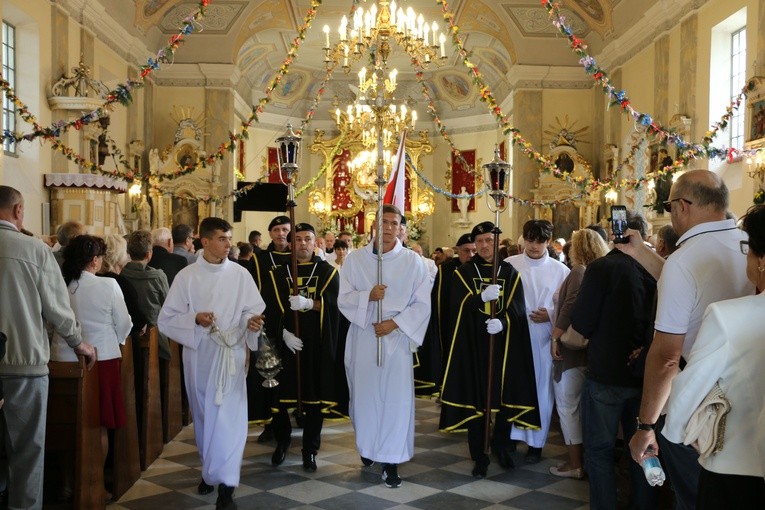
(224,366)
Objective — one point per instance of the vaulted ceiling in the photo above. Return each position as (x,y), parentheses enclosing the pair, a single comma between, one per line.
(255,36)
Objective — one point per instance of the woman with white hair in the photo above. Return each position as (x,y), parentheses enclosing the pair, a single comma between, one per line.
(115,258)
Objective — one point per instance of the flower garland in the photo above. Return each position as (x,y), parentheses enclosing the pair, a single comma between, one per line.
(233,138)
(241,191)
(335,150)
(315,104)
(487,97)
(230,145)
(93,167)
(484,191)
(121,94)
(619,98)
(687,151)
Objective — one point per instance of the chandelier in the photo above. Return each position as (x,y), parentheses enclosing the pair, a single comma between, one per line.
(382,23)
(375,121)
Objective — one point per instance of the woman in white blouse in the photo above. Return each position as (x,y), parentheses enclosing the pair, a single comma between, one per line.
(100,308)
(729,349)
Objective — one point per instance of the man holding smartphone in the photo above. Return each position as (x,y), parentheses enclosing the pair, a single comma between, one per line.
(707,267)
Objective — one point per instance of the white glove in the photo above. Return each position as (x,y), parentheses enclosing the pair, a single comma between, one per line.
(493,326)
(292,342)
(300,303)
(490,293)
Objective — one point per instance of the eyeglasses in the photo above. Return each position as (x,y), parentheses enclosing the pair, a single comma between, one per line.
(668,203)
(744,245)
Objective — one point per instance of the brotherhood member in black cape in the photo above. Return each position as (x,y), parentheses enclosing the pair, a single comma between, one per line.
(323,392)
(260,399)
(514,394)
(430,359)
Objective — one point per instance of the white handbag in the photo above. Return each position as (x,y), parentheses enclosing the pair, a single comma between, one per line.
(705,431)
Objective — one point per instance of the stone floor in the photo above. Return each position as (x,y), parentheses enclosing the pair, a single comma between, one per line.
(438,477)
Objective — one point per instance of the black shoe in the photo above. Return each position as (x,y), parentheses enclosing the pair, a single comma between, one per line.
(309,461)
(481,466)
(367,462)
(267,435)
(512,445)
(203,488)
(533,455)
(390,476)
(280,454)
(225,497)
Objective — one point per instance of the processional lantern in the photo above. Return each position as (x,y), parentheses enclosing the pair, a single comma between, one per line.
(288,153)
(497,175)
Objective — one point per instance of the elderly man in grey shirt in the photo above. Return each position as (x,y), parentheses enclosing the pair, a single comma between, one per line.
(31,291)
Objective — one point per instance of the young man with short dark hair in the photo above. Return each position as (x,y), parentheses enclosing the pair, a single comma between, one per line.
(213,310)
(382,397)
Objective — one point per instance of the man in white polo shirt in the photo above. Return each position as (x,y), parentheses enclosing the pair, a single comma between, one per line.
(707,267)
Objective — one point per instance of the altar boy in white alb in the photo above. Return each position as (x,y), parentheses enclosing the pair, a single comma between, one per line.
(220,293)
(542,276)
(382,397)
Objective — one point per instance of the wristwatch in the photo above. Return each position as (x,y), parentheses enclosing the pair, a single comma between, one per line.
(645,426)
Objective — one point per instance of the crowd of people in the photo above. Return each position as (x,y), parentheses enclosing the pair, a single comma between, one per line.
(361,331)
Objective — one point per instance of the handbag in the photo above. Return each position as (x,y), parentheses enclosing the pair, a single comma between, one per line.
(572,339)
(705,430)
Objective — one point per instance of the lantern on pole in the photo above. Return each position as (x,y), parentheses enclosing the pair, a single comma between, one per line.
(288,154)
(497,175)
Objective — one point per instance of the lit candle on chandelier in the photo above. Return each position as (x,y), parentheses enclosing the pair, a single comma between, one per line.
(441,40)
(343,28)
(326,36)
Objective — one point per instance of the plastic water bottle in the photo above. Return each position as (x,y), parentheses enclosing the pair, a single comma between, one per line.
(654,473)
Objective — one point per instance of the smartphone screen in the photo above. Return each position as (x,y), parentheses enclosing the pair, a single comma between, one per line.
(619,223)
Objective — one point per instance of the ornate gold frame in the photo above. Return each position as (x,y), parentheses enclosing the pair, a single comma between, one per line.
(414,148)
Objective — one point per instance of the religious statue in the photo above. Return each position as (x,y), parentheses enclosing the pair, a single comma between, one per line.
(144,214)
(463,204)
(154,161)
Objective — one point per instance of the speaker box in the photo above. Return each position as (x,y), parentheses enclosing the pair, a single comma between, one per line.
(267,196)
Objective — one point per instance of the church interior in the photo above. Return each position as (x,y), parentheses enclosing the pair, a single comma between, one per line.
(126,115)
(152,112)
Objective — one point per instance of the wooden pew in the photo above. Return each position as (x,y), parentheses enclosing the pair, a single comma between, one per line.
(185,409)
(151,428)
(126,464)
(74,423)
(172,413)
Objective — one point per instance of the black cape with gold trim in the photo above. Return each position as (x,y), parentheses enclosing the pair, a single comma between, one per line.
(514,392)
(260,399)
(430,359)
(320,381)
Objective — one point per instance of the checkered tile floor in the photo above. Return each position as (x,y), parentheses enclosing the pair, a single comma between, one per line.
(437,477)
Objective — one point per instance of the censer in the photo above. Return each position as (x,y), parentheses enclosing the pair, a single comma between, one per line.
(268,363)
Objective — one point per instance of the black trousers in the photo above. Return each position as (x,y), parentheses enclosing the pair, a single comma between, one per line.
(729,491)
(499,440)
(313,421)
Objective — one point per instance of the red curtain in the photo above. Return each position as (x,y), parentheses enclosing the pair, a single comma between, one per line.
(273,165)
(461,176)
(341,199)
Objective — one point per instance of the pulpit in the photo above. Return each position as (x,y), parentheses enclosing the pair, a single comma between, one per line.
(93,200)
